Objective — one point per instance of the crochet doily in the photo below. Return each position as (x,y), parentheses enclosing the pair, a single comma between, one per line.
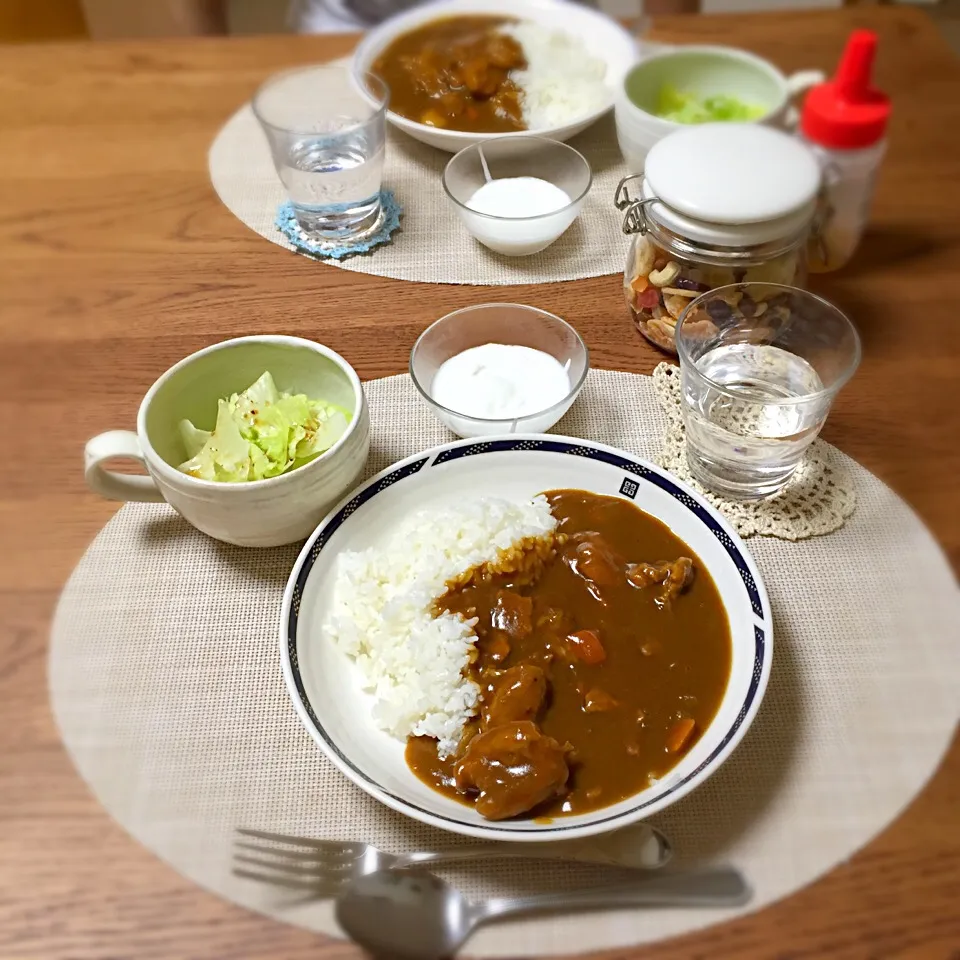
(286,223)
(817,500)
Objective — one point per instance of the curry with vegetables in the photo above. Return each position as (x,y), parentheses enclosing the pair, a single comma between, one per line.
(454,74)
(600,665)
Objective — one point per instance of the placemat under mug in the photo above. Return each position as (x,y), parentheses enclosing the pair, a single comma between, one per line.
(165,683)
(432,246)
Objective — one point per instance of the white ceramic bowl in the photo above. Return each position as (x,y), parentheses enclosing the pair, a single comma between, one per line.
(324,684)
(515,324)
(706,71)
(260,513)
(602,36)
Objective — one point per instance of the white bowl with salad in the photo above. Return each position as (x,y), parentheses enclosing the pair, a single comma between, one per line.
(251,440)
(677,87)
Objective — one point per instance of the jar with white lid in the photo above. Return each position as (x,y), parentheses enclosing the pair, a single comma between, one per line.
(718,204)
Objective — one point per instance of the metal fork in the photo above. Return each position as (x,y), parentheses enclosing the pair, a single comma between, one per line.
(326,866)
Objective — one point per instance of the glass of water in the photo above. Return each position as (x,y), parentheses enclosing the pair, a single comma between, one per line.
(760,365)
(326,130)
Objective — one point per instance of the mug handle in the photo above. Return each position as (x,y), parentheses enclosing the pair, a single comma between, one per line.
(799,83)
(117,486)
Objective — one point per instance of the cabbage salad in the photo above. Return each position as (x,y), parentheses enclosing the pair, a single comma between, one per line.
(261,433)
(683,107)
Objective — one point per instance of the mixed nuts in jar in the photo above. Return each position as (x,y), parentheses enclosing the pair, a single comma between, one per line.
(720,204)
(659,284)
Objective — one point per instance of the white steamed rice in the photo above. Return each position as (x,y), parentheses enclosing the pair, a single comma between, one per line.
(414,664)
(562,82)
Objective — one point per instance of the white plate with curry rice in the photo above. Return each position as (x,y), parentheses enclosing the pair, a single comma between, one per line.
(463,71)
(526,638)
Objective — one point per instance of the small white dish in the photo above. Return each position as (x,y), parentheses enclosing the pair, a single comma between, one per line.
(704,71)
(504,158)
(602,36)
(325,686)
(259,513)
(507,323)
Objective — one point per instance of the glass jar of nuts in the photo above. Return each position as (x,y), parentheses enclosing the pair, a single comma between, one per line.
(718,204)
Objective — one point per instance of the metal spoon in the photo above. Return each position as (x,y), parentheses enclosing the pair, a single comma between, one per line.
(413,915)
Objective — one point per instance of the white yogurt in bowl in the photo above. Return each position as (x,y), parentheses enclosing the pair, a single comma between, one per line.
(517,195)
(500,381)
(499,368)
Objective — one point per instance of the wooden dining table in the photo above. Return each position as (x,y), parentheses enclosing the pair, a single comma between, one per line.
(117,259)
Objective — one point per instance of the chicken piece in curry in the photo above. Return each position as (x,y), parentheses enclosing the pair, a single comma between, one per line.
(454,74)
(600,665)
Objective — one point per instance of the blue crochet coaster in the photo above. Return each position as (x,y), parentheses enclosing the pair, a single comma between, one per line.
(287,224)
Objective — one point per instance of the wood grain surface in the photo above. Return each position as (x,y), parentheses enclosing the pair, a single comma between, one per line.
(117,259)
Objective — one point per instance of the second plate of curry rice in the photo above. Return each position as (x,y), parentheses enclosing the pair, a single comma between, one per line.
(526,638)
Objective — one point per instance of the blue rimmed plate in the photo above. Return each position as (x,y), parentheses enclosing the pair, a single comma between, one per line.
(325,687)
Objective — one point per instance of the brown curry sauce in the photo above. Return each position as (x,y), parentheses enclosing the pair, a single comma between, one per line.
(453,73)
(599,668)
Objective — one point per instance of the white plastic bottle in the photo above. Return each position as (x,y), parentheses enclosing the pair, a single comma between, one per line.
(844,122)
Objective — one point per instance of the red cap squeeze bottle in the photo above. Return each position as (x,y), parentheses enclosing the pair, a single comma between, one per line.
(847,113)
(845,121)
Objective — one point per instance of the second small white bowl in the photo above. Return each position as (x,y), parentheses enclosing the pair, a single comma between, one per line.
(507,158)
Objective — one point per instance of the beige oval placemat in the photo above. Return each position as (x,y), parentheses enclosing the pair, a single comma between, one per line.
(431,245)
(165,682)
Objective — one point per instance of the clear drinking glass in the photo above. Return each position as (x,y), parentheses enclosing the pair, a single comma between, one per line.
(760,365)
(326,130)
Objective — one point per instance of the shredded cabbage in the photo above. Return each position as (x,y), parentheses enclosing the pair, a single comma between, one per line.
(261,433)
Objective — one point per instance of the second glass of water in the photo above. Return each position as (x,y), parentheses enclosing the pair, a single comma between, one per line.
(760,365)
(326,130)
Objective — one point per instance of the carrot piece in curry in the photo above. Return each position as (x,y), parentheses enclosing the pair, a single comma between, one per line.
(679,735)
(587,647)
